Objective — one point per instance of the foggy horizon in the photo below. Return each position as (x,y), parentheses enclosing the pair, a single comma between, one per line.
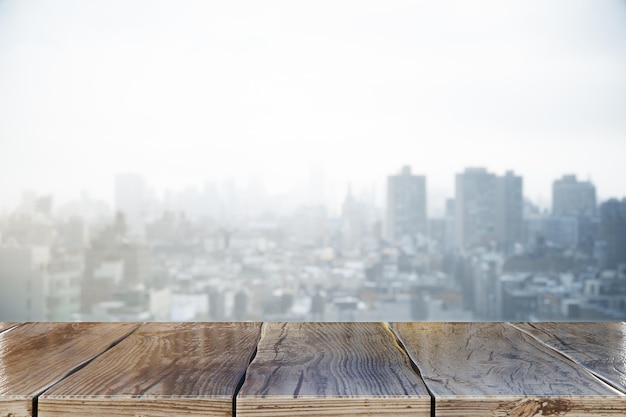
(143,144)
(192,91)
(298,195)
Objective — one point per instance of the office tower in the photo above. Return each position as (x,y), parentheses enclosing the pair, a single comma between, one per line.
(131,199)
(613,232)
(577,199)
(475,207)
(449,225)
(574,198)
(509,210)
(406,205)
(488,209)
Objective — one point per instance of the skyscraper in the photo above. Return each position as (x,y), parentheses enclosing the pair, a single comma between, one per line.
(574,198)
(406,205)
(488,209)
(509,210)
(613,232)
(577,199)
(475,207)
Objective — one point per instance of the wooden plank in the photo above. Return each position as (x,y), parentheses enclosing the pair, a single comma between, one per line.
(5,325)
(331,369)
(34,356)
(163,369)
(599,347)
(493,369)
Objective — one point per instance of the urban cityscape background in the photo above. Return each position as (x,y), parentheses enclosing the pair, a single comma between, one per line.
(223,252)
(348,160)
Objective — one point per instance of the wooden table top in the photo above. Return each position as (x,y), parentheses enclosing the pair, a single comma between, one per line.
(35,356)
(312,369)
(327,368)
(598,347)
(160,370)
(492,369)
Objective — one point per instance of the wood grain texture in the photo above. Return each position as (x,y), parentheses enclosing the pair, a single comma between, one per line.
(493,369)
(5,325)
(331,369)
(163,369)
(34,356)
(599,347)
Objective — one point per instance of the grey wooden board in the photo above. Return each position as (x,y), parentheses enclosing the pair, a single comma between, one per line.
(163,369)
(599,347)
(493,369)
(34,356)
(331,369)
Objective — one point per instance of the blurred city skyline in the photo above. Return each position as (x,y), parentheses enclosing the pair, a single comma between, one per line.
(315,190)
(227,253)
(188,92)
(167,160)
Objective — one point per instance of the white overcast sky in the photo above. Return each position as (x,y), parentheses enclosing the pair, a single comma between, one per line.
(185,92)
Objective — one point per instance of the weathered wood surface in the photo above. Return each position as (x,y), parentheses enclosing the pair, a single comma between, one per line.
(331,369)
(599,347)
(34,356)
(5,325)
(163,369)
(493,369)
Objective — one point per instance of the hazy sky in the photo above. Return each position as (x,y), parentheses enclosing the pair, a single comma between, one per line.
(185,92)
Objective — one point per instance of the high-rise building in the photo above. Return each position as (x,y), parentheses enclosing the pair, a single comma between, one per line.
(509,210)
(613,232)
(449,217)
(577,199)
(488,209)
(574,198)
(406,205)
(475,207)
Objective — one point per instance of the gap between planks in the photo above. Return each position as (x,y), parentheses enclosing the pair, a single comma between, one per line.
(444,394)
(153,376)
(567,357)
(396,339)
(9,327)
(78,368)
(393,338)
(242,380)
